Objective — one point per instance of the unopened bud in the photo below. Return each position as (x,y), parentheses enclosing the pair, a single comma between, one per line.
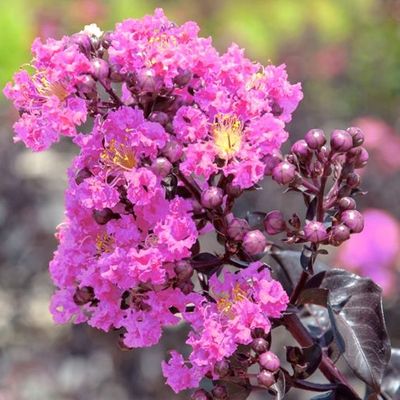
(220,393)
(237,228)
(161,166)
(183,270)
(284,173)
(269,361)
(254,242)
(274,222)
(353,219)
(159,117)
(212,197)
(339,234)
(315,138)
(100,68)
(301,149)
(341,141)
(315,232)
(183,78)
(259,345)
(103,216)
(200,394)
(222,368)
(357,135)
(173,151)
(347,203)
(353,180)
(266,378)
(362,158)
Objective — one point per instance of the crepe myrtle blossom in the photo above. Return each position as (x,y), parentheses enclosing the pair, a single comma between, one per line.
(174,134)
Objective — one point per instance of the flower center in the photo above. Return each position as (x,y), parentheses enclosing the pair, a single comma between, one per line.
(104,243)
(227,132)
(47,88)
(117,154)
(225,304)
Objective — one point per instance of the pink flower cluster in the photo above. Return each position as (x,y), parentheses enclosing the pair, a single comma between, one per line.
(170,118)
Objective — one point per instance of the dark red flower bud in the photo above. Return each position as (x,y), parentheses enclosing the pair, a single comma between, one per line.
(83,41)
(233,190)
(315,232)
(219,392)
(186,287)
(284,173)
(347,203)
(270,161)
(103,216)
(173,151)
(237,228)
(254,242)
(183,78)
(265,378)
(200,394)
(183,269)
(83,295)
(301,149)
(353,180)
(212,197)
(362,158)
(339,234)
(159,117)
(269,361)
(161,166)
(315,138)
(353,219)
(357,135)
(83,174)
(100,68)
(341,141)
(259,345)
(222,368)
(274,222)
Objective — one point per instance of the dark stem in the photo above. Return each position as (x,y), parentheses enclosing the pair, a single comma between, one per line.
(112,94)
(303,337)
(313,387)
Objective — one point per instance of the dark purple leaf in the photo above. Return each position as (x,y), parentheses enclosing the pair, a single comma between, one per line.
(355,309)
(391,379)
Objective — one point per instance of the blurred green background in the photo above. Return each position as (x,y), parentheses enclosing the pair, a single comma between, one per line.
(346,53)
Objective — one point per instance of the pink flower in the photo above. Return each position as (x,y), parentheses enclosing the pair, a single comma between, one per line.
(190,124)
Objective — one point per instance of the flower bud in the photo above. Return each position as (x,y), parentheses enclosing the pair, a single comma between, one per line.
(353,219)
(315,232)
(173,151)
(186,287)
(357,135)
(115,74)
(83,295)
(100,68)
(284,173)
(339,234)
(315,138)
(265,378)
(222,368)
(212,197)
(362,158)
(83,174)
(347,203)
(83,41)
(237,228)
(159,117)
(219,392)
(200,394)
(254,242)
(258,333)
(274,222)
(106,40)
(103,216)
(341,141)
(183,78)
(184,271)
(301,149)
(233,190)
(270,161)
(353,180)
(269,361)
(147,82)
(259,345)
(86,84)
(161,166)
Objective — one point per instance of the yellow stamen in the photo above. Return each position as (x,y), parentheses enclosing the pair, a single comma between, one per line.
(104,243)
(117,154)
(225,305)
(227,131)
(47,88)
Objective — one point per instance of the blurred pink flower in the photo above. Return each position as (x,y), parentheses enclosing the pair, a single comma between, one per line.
(374,251)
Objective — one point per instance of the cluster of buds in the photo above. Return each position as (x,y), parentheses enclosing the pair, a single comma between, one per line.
(309,168)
